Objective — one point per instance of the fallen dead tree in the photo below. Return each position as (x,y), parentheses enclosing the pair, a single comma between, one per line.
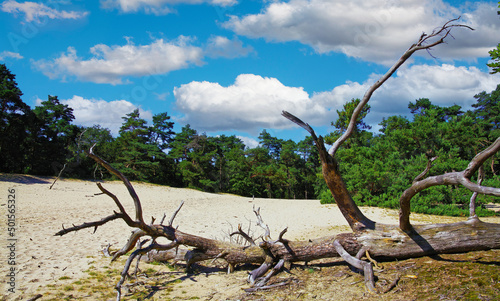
(368,238)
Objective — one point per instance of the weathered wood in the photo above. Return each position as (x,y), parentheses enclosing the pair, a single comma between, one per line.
(386,241)
(391,242)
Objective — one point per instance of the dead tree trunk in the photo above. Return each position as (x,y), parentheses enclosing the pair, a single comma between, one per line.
(368,237)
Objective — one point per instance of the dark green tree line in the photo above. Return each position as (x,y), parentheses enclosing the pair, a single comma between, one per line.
(376,167)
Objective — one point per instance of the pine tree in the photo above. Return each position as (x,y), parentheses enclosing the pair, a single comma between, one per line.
(136,157)
(15,120)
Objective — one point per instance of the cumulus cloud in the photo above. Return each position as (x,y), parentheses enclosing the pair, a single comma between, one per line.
(219,46)
(113,64)
(10,54)
(376,31)
(443,85)
(156,7)
(36,12)
(110,64)
(89,112)
(254,102)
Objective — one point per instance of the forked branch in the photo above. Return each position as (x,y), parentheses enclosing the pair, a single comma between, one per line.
(452,178)
(130,188)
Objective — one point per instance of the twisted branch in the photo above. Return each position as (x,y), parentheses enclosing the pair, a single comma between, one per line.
(452,178)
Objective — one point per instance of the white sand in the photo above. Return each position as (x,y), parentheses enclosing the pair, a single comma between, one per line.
(42,258)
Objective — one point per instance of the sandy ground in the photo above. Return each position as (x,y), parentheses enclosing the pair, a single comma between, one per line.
(42,258)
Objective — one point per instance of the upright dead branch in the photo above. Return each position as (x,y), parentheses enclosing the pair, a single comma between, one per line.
(130,188)
(424,42)
(58,176)
(472,203)
(356,219)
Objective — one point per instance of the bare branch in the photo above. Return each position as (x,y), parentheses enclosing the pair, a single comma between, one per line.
(472,203)
(263,281)
(244,235)
(138,252)
(171,221)
(58,176)
(453,178)
(300,123)
(333,179)
(139,246)
(163,218)
(424,42)
(130,188)
(125,216)
(480,158)
(282,233)
(131,242)
(260,223)
(105,251)
(89,224)
(427,169)
(258,272)
(362,265)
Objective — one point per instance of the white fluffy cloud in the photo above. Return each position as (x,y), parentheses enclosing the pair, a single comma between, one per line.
(376,31)
(10,54)
(113,64)
(254,102)
(34,11)
(443,85)
(110,64)
(156,7)
(89,112)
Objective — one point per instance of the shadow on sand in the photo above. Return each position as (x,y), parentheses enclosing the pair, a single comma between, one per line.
(24,179)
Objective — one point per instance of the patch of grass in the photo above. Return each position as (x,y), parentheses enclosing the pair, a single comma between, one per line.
(469,276)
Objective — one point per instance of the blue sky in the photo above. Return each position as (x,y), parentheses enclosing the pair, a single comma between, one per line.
(231,66)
